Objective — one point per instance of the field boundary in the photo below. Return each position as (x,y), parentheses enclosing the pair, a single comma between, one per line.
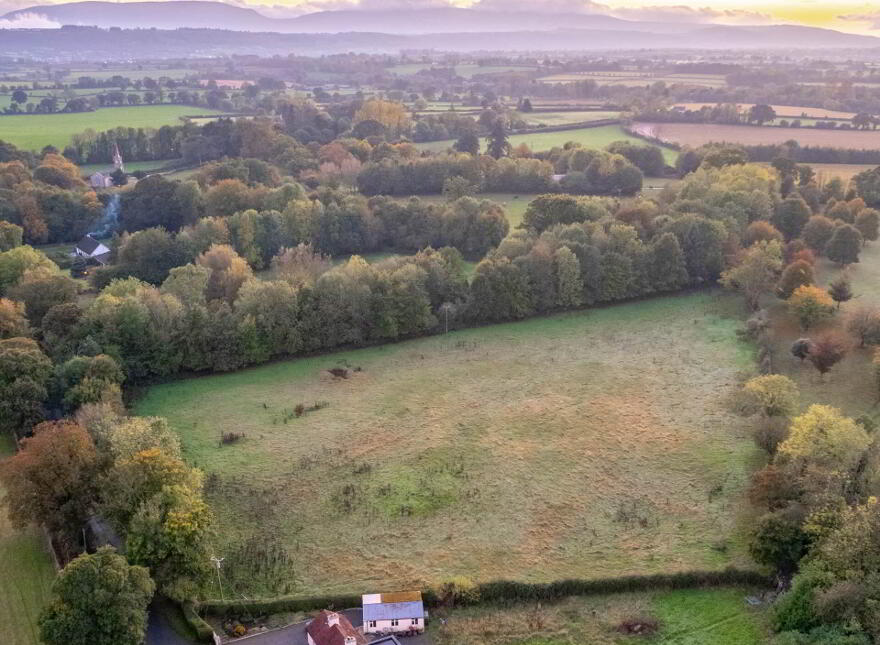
(506,591)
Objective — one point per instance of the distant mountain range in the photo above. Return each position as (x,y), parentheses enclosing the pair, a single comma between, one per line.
(200,28)
(447,20)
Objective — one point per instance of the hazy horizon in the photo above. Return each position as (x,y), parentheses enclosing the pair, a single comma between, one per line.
(852,17)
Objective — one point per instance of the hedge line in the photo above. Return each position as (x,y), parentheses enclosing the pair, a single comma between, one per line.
(203,631)
(506,591)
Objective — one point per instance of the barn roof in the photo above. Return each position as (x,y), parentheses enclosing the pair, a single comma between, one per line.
(394,610)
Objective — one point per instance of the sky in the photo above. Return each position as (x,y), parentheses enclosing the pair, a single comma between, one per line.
(844,15)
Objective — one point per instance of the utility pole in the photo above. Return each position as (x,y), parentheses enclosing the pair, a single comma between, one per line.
(217,562)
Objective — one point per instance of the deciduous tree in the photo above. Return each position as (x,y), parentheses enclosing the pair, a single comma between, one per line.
(810,304)
(828,350)
(756,272)
(844,245)
(98,599)
(50,481)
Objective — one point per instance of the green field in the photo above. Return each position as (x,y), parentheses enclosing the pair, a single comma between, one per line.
(687,617)
(464,70)
(589,444)
(34,131)
(589,137)
(130,166)
(637,79)
(565,117)
(26,572)
(133,74)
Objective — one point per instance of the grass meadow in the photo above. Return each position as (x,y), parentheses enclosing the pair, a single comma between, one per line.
(34,131)
(26,572)
(588,137)
(686,617)
(586,444)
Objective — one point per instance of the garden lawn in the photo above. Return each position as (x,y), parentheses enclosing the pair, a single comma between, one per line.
(34,131)
(26,574)
(588,137)
(686,617)
(587,444)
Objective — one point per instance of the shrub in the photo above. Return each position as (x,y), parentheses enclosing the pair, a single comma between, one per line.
(809,305)
(801,348)
(771,432)
(772,395)
(231,437)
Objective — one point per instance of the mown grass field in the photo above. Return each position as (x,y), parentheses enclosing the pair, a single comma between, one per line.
(696,134)
(26,574)
(34,131)
(687,617)
(588,137)
(593,443)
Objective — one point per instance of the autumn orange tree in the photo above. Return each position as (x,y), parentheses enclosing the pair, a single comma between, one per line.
(50,481)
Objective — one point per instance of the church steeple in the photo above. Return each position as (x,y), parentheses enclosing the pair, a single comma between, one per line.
(117,158)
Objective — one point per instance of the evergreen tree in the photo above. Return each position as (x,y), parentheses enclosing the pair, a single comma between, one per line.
(498,145)
(569,285)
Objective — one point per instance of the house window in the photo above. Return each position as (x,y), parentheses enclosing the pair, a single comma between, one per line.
(415,621)
(394,622)
(372,623)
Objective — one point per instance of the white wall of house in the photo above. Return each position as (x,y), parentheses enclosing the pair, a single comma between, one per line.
(389,626)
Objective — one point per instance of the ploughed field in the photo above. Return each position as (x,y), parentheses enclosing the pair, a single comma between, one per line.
(586,444)
(697,134)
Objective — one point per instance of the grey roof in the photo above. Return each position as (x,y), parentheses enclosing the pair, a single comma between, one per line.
(392,610)
(88,244)
(386,640)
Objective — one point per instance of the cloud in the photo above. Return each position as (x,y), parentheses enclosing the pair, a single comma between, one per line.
(546,6)
(700,15)
(871,19)
(29,21)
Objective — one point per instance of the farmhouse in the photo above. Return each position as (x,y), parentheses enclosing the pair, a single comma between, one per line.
(101,180)
(394,613)
(331,628)
(92,249)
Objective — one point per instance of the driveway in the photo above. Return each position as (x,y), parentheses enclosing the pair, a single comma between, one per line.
(296,634)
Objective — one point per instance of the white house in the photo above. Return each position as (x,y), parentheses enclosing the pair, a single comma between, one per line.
(332,628)
(92,249)
(394,613)
(100,180)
